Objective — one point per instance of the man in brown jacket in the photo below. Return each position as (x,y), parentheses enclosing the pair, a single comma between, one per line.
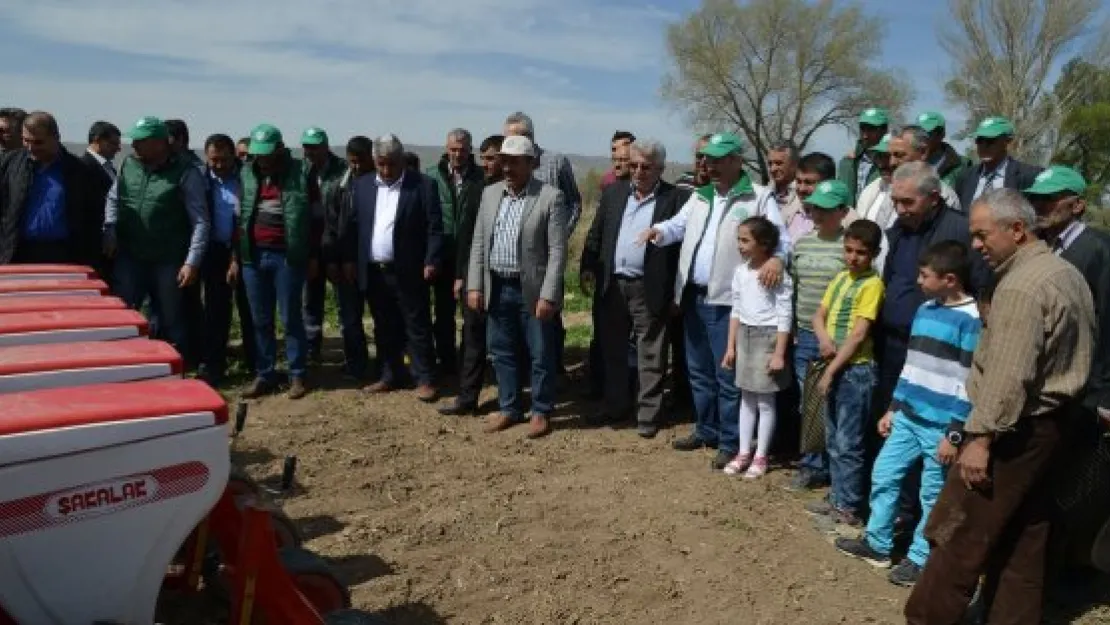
(1032,362)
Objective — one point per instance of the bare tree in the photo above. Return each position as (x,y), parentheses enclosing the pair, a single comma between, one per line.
(778,69)
(1003,52)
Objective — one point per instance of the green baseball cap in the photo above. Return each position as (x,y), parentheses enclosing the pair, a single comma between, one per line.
(930,121)
(1057,179)
(883,145)
(314,135)
(148,128)
(993,127)
(874,117)
(722,144)
(829,195)
(264,140)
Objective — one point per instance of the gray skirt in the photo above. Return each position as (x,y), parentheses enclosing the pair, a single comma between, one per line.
(754,347)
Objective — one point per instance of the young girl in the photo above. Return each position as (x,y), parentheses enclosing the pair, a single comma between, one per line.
(759,330)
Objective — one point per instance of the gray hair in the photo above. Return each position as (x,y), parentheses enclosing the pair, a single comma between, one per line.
(1008,206)
(922,174)
(918,138)
(786,145)
(389,146)
(520,119)
(651,149)
(461,134)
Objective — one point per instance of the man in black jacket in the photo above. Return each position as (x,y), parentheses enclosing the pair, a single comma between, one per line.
(996,169)
(633,283)
(48,200)
(104,145)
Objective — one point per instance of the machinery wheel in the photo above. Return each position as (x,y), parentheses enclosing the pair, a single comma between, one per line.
(316,581)
(286,534)
(352,617)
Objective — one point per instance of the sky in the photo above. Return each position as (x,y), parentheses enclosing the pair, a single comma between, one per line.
(580,68)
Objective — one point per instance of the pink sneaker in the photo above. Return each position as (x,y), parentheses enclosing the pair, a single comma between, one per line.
(737,465)
(757,469)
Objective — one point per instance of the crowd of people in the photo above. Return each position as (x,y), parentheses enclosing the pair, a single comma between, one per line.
(927,323)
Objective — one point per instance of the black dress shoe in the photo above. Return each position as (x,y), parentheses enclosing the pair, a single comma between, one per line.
(647,430)
(721,460)
(456,409)
(690,443)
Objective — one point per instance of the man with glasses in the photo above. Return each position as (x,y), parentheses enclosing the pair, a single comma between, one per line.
(996,168)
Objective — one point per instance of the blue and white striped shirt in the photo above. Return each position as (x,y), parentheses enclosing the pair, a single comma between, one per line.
(933,384)
(504,254)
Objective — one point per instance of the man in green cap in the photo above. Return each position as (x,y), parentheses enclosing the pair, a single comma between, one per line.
(873,199)
(996,169)
(156,224)
(325,172)
(706,263)
(857,170)
(273,256)
(940,154)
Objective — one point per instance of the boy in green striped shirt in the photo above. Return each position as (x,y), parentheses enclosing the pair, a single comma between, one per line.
(816,259)
(843,327)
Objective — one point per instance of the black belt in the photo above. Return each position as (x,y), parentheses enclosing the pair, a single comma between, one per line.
(506,276)
(698,289)
(623,278)
(383,267)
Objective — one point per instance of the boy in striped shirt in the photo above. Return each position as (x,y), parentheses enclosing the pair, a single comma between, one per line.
(930,404)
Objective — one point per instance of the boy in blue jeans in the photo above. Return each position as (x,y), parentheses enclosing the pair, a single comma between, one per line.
(843,327)
(930,404)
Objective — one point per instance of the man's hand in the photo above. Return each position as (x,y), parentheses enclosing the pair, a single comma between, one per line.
(350,273)
(729,361)
(545,310)
(776,364)
(886,424)
(825,383)
(233,273)
(457,289)
(313,268)
(1104,416)
(331,272)
(586,282)
(651,235)
(828,348)
(770,274)
(946,452)
(974,457)
(474,300)
(429,273)
(186,276)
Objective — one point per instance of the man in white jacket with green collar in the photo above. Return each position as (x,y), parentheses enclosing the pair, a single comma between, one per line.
(707,261)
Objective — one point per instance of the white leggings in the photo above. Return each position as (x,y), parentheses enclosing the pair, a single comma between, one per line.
(753,406)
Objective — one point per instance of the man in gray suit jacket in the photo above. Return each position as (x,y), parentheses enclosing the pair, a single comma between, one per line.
(517,260)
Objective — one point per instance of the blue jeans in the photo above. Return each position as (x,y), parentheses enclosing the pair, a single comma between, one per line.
(807,350)
(846,418)
(350,304)
(510,323)
(271,282)
(716,397)
(137,281)
(911,440)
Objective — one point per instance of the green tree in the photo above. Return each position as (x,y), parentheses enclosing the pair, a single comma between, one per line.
(1002,52)
(778,69)
(1084,138)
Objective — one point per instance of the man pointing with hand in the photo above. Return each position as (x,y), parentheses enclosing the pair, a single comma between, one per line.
(517,260)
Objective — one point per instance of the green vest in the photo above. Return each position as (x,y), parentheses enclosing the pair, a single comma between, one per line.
(293,183)
(152,223)
(453,203)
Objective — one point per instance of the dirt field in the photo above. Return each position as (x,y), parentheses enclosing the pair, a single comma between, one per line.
(430,520)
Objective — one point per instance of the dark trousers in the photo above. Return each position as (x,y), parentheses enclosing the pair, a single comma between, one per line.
(1000,530)
(349,306)
(211,337)
(680,376)
(624,309)
(42,252)
(400,308)
(443,326)
(472,369)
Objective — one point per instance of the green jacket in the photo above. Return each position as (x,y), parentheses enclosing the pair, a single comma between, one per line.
(293,182)
(153,223)
(460,209)
(847,172)
(954,164)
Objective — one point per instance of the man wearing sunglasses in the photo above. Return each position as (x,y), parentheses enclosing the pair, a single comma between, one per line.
(996,169)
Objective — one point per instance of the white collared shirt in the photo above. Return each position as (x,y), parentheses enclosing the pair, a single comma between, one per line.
(385,216)
(996,179)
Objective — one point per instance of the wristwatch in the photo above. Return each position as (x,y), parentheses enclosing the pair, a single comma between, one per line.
(955,436)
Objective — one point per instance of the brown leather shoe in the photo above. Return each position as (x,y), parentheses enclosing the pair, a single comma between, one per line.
(499,423)
(378,387)
(426,393)
(538,427)
(257,389)
(297,389)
